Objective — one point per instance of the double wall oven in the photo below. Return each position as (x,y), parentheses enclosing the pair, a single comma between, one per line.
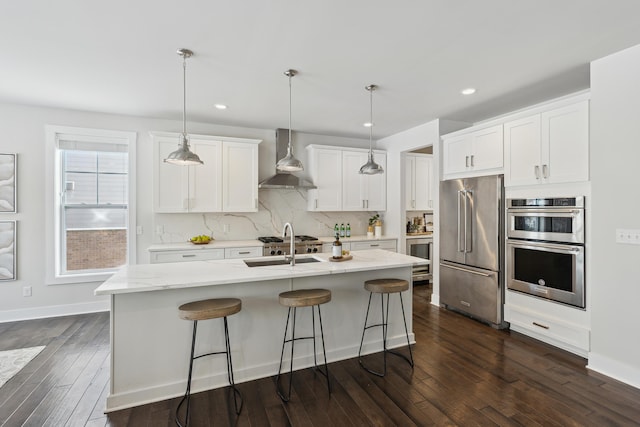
(546,248)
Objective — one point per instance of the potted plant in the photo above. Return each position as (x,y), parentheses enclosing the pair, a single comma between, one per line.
(373,221)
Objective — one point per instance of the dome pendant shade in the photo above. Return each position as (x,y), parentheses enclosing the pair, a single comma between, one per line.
(371,167)
(289,163)
(183,156)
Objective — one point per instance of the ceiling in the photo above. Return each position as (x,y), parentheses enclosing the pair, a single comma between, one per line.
(120,57)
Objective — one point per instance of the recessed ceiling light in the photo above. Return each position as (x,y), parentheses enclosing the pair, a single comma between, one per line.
(221,106)
(468,91)
(367,125)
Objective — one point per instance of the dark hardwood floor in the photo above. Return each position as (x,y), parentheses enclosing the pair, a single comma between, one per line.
(466,374)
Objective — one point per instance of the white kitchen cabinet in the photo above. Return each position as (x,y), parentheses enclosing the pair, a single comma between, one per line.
(325,167)
(226,182)
(419,181)
(556,324)
(334,170)
(549,147)
(473,152)
(361,245)
(187,255)
(363,192)
(244,252)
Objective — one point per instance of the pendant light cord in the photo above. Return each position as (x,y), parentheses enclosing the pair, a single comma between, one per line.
(184,96)
(289,147)
(371,122)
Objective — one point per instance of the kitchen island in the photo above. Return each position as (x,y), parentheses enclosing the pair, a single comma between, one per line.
(150,345)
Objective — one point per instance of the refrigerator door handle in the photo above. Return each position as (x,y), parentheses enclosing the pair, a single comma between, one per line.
(460,243)
(468,215)
(478,273)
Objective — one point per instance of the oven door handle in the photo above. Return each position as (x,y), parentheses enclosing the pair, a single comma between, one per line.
(549,247)
(466,270)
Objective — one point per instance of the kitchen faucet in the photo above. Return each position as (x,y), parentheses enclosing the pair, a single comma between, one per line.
(292,249)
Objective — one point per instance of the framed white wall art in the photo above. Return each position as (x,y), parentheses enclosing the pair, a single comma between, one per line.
(7,250)
(8,175)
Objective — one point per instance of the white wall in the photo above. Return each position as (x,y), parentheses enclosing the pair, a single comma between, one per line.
(22,130)
(427,134)
(615,158)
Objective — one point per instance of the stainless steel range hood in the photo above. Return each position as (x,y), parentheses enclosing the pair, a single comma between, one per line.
(284,180)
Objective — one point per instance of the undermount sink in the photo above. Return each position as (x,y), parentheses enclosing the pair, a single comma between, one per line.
(264,263)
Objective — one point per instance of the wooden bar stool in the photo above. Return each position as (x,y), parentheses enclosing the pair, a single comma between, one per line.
(303,298)
(205,310)
(385,287)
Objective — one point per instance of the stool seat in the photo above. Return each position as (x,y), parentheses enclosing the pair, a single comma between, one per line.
(305,297)
(209,309)
(386,286)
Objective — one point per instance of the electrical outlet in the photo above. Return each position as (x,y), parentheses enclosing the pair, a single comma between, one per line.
(139,230)
(227,228)
(26,291)
(159,229)
(628,236)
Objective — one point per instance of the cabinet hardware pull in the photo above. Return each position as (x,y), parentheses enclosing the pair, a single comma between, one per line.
(316,203)
(244,253)
(373,246)
(188,256)
(545,171)
(536,171)
(465,303)
(540,326)
(472,160)
(466,161)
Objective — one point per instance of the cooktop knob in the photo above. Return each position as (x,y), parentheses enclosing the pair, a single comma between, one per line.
(279,252)
(273,252)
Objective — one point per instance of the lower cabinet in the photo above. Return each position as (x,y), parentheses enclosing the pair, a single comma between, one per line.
(386,244)
(556,324)
(204,254)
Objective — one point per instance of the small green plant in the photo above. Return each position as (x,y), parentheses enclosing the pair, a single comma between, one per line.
(373,219)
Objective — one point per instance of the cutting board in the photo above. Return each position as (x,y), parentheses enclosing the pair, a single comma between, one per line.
(344,258)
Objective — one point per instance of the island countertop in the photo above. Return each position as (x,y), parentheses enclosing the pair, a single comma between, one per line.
(154,277)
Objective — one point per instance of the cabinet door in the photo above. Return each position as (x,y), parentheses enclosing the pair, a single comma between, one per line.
(353,184)
(326,173)
(375,186)
(565,144)
(409,182)
(170,182)
(487,149)
(422,179)
(456,153)
(522,151)
(240,177)
(205,181)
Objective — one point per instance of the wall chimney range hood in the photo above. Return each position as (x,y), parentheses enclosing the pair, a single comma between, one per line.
(284,180)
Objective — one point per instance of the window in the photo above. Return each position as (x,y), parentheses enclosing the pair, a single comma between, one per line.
(90,226)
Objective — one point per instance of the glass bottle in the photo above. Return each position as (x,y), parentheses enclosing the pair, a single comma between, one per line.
(348,230)
(336,249)
(342,230)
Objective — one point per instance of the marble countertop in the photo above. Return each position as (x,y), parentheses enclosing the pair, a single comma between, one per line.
(178,275)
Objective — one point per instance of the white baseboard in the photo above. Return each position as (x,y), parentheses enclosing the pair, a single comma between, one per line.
(118,401)
(612,368)
(53,311)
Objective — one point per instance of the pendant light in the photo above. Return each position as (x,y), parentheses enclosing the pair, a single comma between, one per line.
(183,156)
(371,167)
(289,163)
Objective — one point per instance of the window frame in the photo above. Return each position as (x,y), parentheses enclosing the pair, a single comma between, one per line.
(53,176)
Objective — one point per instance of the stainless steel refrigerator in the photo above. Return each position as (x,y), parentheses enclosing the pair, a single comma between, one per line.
(472,247)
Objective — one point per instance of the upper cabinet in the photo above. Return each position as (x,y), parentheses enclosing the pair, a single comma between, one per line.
(419,181)
(334,171)
(549,147)
(226,182)
(475,151)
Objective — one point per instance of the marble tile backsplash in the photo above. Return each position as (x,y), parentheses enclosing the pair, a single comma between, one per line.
(276,207)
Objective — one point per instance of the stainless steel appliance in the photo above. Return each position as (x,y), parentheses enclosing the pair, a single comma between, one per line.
(278,246)
(472,248)
(421,248)
(545,248)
